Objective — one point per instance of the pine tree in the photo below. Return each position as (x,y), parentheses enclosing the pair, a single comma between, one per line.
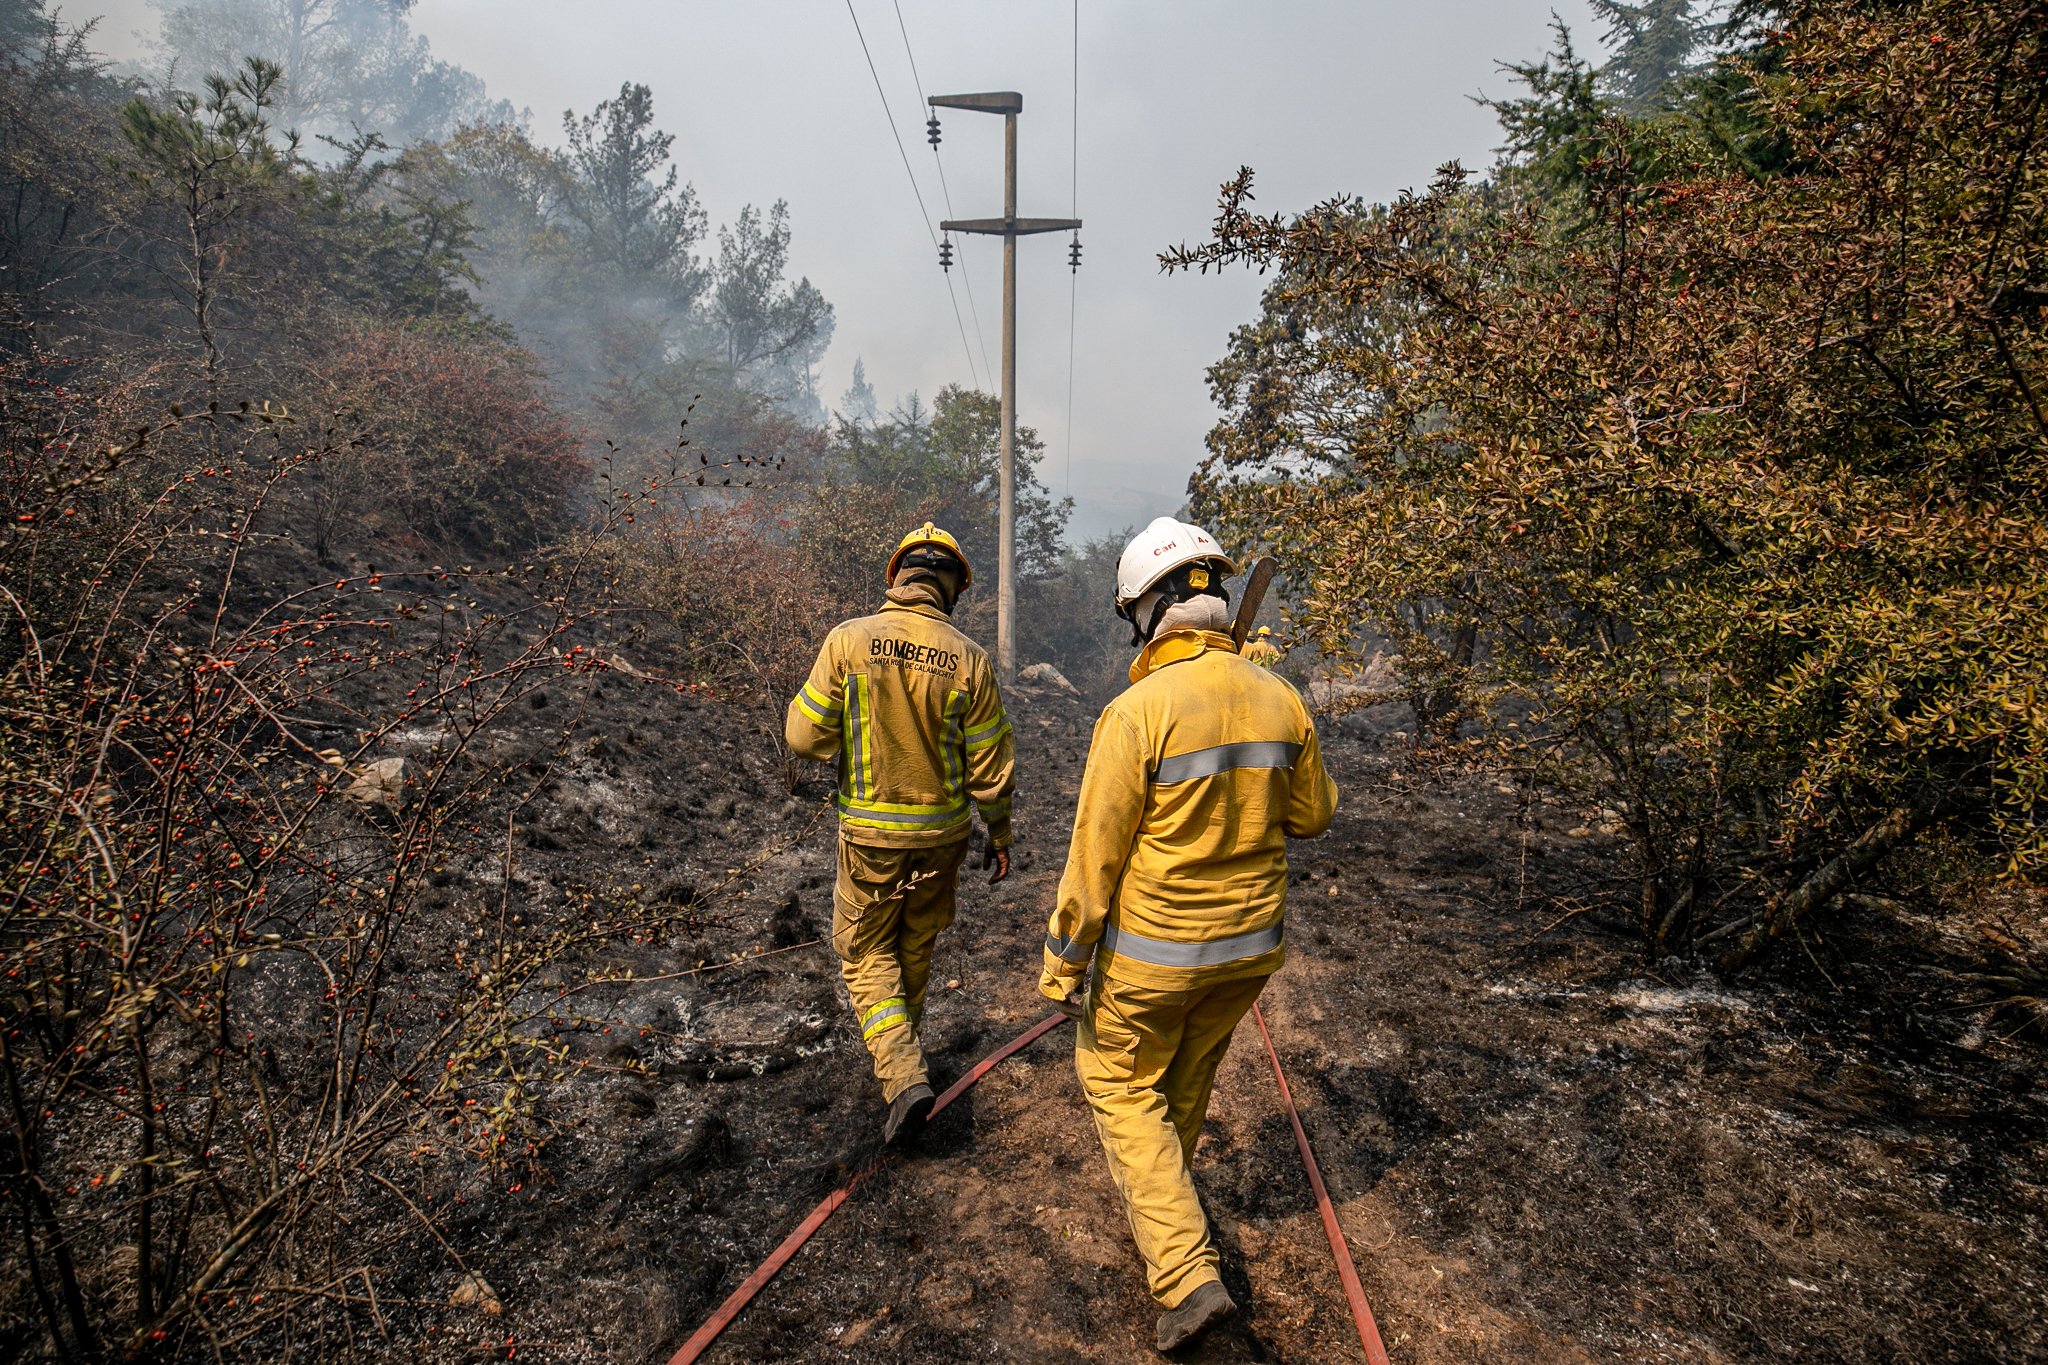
(1654,44)
(1552,130)
(857,406)
(24,24)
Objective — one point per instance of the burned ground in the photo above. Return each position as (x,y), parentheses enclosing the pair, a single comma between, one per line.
(1541,1148)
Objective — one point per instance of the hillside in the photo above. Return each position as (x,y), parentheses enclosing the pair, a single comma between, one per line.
(1539,1149)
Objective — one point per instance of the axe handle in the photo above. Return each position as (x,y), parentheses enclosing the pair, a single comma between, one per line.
(1255,585)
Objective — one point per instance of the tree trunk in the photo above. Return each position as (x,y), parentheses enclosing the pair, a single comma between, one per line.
(1898,825)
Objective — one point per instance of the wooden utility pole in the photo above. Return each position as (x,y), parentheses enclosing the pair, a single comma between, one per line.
(1009,227)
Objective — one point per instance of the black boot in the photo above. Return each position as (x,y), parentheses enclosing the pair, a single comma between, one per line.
(1194,1315)
(907,1113)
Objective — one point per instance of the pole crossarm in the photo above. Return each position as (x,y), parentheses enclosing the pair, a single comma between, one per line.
(984,102)
(1004,227)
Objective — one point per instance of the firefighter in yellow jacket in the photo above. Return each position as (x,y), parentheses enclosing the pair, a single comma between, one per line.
(908,707)
(1169,914)
(1261,650)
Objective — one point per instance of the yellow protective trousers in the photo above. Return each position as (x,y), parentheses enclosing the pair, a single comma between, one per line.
(888,907)
(1147,1060)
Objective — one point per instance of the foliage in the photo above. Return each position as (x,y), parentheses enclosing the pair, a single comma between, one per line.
(751,585)
(188,228)
(1740,479)
(52,88)
(1066,618)
(209,160)
(347,67)
(760,318)
(239,1024)
(644,231)
(858,406)
(1654,43)
(1566,122)
(943,463)
(594,256)
(249,1023)
(24,24)
(1553,129)
(376,246)
(452,447)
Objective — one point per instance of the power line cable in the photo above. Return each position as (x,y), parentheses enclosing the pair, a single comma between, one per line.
(922,211)
(967,279)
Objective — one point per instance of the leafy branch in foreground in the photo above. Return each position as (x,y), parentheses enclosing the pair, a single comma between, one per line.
(1736,478)
(238,1014)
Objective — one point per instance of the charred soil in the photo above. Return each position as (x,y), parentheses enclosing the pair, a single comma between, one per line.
(1541,1148)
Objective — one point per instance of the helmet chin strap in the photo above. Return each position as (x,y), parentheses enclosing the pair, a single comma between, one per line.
(1159,610)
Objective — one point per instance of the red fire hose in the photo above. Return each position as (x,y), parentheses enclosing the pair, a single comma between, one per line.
(1361,1311)
(754,1283)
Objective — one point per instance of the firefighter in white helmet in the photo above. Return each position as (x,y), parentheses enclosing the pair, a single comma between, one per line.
(908,707)
(1169,914)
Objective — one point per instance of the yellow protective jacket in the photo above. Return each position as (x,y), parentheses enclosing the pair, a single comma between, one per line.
(910,709)
(1264,653)
(1197,775)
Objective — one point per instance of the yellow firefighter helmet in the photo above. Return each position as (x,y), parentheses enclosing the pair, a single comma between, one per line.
(929,534)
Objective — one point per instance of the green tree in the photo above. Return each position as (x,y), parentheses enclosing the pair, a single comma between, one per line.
(390,247)
(348,66)
(24,24)
(770,327)
(55,145)
(943,463)
(1558,126)
(857,406)
(1654,43)
(1738,481)
(644,229)
(210,161)
(593,256)
(1064,618)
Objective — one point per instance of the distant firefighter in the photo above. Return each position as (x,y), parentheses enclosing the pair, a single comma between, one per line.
(1169,914)
(1261,650)
(909,709)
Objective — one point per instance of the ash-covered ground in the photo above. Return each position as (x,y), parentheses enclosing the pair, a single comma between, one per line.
(1541,1148)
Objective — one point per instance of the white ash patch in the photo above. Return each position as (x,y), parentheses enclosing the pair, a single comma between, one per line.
(1652,998)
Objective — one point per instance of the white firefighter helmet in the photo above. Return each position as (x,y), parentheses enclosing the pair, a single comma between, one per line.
(1157,551)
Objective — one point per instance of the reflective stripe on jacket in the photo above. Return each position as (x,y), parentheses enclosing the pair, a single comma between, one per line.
(910,709)
(1197,775)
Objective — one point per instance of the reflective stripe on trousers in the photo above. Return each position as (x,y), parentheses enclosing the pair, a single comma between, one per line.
(885,1014)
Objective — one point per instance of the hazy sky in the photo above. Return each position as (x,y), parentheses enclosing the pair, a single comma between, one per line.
(773,99)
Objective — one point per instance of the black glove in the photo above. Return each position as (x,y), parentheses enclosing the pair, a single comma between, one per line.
(997,858)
